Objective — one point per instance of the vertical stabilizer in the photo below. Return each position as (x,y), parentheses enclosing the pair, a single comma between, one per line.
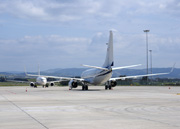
(38,70)
(109,61)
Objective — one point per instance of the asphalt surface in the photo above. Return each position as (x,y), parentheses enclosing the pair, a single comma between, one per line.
(125,107)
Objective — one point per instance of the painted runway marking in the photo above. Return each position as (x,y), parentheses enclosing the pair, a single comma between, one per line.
(25,112)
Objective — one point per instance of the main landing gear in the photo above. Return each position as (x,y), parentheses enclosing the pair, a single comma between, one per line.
(108,86)
(35,86)
(45,86)
(84,86)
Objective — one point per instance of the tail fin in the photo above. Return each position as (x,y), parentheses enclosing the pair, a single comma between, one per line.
(38,70)
(109,61)
(25,70)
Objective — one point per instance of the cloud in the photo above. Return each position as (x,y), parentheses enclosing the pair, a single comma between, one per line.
(61,23)
(55,51)
(49,10)
(47,49)
(31,44)
(72,10)
(131,49)
(172,7)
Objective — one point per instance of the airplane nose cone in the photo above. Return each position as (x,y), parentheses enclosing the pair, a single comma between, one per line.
(44,82)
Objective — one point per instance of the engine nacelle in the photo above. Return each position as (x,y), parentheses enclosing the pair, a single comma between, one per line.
(52,84)
(32,84)
(113,83)
(73,84)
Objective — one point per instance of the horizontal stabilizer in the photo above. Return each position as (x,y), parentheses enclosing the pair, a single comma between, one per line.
(126,67)
(96,67)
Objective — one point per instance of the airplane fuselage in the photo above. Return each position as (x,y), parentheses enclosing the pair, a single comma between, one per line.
(41,80)
(96,76)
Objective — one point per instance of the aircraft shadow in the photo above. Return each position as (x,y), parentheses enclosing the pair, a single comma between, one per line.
(86,90)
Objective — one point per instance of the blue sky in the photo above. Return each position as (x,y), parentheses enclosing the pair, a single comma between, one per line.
(68,33)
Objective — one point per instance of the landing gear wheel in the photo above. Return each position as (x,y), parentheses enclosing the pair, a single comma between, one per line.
(86,87)
(110,88)
(83,88)
(35,86)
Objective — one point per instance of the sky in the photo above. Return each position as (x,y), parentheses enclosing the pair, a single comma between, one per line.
(68,33)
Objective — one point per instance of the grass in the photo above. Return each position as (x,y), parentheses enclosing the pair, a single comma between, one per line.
(13,84)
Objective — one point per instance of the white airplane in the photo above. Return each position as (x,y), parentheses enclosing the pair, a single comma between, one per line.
(102,75)
(40,80)
(97,75)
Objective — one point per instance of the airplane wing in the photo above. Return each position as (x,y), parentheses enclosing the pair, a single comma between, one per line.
(64,78)
(138,76)
(61,78)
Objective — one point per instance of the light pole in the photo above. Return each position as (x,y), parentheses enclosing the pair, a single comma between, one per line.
(146,31)
(151,59)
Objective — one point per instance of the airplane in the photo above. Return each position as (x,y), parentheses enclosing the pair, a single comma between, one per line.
(102,75)
(96,75)
(40,80)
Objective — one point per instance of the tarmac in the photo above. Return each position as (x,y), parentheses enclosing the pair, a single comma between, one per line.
(124,107)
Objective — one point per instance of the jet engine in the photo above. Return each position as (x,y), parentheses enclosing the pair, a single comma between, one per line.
(32,84)
(52,84)
(73,84)
(113,83)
